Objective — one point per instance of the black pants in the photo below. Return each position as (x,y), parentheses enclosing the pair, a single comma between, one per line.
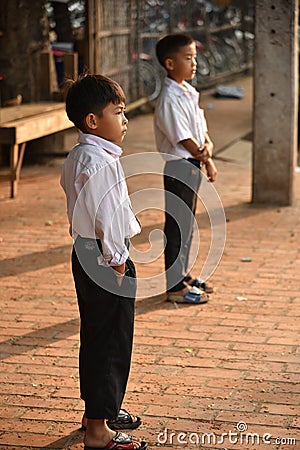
(106,331)
(181,182)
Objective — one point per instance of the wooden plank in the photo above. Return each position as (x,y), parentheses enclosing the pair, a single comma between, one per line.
(33,127)
(28,119)
(26,122)
(112,33)
(137,104)
(28,109)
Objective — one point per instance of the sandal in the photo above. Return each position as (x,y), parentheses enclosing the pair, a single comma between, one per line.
(194,296)
(200,284)
(120,442)
(124,421)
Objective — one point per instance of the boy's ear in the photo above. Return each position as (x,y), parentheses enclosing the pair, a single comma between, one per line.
(169,64)
(90,121)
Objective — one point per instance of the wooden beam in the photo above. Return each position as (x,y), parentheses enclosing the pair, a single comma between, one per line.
(71,65)
(45,76)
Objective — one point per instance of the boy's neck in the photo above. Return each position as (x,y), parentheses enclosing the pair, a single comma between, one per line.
(179,81)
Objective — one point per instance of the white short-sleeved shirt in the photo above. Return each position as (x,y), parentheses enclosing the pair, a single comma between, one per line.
(178,117)
(98,204)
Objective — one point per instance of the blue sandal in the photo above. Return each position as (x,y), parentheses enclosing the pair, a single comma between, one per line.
(201,284)
(193,296)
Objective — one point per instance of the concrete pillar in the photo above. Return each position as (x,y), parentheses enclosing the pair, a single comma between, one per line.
(275,101)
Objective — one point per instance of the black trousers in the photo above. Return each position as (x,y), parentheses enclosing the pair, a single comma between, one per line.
(181,183)
(106,330)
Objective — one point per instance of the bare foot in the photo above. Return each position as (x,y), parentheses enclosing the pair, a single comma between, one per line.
(97,433)
(182,292)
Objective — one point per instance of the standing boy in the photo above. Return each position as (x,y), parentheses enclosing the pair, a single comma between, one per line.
(182,137)
(101,223)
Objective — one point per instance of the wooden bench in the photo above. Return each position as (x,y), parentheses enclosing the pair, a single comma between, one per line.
(23,123)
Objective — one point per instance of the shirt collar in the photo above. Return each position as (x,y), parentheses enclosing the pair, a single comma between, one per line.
(110,147)
(178,89)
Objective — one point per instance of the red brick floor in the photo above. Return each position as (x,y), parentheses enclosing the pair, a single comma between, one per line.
(196,369)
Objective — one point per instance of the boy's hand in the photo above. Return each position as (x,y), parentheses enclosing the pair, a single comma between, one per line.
(211,170)
(120,273)
(120,280)
(203,154)
(206,149)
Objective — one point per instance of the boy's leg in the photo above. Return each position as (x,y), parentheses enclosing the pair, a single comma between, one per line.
(181,182)
(189,241)
(106,342)
(105,354)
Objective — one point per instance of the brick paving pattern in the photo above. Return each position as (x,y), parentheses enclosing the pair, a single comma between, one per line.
(196,369)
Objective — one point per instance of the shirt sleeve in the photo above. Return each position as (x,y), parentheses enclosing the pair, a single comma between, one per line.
(106,208)
(203,120)
(173,122)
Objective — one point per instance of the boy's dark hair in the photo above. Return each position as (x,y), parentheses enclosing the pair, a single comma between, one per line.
(91,94)
(170,44)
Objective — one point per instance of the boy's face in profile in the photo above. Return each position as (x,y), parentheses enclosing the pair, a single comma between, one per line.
(112,125)
(182,64)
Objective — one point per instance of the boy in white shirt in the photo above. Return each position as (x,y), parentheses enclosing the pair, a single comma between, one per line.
(101,224)
(182,138)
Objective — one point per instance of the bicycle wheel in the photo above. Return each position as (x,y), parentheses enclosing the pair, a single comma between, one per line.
(151,80)
(203,67)
(218,57)
(232,58)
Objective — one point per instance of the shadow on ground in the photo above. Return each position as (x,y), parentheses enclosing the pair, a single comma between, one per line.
(76,437)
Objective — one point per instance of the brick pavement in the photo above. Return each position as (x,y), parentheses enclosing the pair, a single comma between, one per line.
(196,369)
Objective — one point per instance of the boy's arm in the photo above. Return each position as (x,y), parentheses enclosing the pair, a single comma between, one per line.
(208,144)
(120,272)
(120,269)
(211,170)
(201,152)
(210,167)
(104,201)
